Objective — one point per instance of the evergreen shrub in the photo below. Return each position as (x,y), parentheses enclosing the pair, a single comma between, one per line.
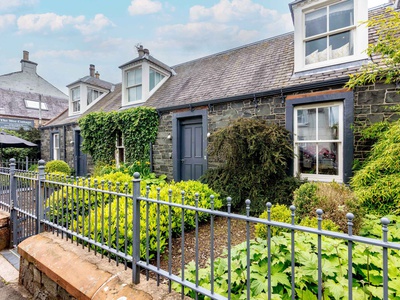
(58,166)
(253,159)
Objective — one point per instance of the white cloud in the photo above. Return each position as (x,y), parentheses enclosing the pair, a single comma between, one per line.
(144,7)
(95,25)
(7,20)
(42,22)
(11,4)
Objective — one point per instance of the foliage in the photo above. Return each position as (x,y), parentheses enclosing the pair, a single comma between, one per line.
(386,51)
(253,157)
(281,213)
(367,269)
(377,183)
(32,135)
(107,218)
(57,166)
(335,199)
(138,127)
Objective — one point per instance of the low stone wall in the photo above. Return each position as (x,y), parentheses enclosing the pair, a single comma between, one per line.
(53,268)
(4,230)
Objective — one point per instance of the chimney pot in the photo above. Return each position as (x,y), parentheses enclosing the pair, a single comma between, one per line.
(91,70)
(140,51)
(25,55)
(97,75)
(146,51)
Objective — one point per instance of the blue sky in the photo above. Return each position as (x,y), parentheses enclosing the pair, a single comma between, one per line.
(65,36)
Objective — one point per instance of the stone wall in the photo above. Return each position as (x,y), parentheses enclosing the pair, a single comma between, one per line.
(4,230)
(372,104)
(52,269)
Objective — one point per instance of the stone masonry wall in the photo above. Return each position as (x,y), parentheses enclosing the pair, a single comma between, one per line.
(373,103)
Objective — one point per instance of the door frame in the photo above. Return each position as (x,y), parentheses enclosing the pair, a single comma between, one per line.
(177,119)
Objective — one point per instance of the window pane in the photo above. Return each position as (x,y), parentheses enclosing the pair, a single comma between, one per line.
(134,77)
(328,158)
(316,22)
(341,15)
(75,93)
(328,123)
(306,158)
(341,45)
(135,93)
(306,131)
(152,79)
(316,51)
(76,106)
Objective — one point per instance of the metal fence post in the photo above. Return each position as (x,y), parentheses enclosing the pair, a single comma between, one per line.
(40,196)
(13,202)
(136,229)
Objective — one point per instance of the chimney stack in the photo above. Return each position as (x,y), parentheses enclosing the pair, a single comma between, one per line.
(97,75)
(91,70)
(25,55)
(140,51)
(27,65)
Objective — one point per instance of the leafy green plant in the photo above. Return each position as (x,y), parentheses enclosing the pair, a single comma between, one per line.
(58,166)
(377,183)
(279,213)
(367,269)
(335,199)
(138,127)
(252,157)
(92,212)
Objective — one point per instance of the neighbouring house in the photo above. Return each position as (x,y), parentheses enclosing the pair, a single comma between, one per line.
(27,100)
(295,79)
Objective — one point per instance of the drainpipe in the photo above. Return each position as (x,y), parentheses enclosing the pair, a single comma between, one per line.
(65,143)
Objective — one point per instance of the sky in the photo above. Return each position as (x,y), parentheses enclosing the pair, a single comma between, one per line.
(65,36)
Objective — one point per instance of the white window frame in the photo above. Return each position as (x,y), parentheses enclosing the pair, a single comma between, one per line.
(156,82)
(76,102)
(339,141)
(56,146)
(119,146)
(135,85)
(359,34)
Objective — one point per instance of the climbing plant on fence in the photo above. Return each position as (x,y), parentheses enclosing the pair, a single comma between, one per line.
(138,126)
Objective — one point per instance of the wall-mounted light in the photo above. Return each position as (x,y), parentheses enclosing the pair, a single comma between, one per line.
(71,142)
(208,134)
(169,137)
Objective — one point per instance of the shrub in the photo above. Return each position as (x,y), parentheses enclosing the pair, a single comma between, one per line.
(279,213)
(253,158)
(57,166)
(335,199)
(92,212)
(377,183)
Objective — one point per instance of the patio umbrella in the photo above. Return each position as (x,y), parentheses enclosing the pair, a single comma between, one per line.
(11,141)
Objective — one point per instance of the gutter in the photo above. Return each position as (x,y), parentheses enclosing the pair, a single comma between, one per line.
(291,89)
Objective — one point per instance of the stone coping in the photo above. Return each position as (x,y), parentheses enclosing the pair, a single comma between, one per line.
(85,275)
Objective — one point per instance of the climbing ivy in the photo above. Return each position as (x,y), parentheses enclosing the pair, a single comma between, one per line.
(99,130)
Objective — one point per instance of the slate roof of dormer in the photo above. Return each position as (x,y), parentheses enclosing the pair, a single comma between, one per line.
(150,59)
(94,82)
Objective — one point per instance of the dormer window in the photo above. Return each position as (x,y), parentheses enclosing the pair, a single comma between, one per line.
(76,99)
(142,77)
(326,32)
(329,32)
(134,84)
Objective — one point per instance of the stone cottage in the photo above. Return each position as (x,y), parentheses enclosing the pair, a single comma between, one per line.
(295,79)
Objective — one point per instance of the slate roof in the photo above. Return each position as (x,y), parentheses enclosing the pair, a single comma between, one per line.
(110,102)
(266,66)
(12,103)
(94,82)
